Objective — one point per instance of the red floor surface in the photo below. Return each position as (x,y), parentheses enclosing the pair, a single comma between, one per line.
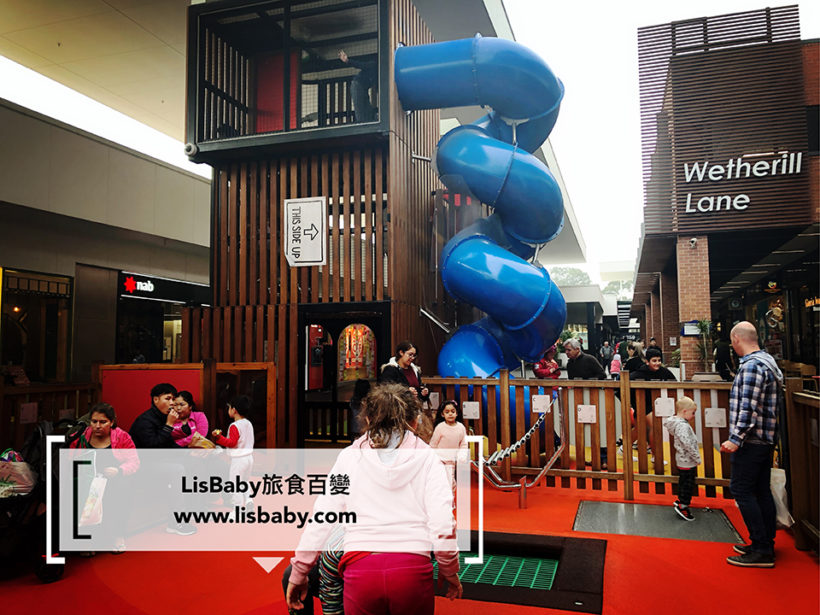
(642,575)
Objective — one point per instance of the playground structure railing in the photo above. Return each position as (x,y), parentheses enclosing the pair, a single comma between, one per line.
(21,407)
(591,452)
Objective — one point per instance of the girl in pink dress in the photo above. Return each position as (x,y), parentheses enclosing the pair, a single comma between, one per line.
(450,434)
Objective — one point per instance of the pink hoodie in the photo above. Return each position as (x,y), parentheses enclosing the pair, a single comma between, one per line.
(198,423)
(405,506)
(123,448)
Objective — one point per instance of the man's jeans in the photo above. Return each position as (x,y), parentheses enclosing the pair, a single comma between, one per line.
(751,470)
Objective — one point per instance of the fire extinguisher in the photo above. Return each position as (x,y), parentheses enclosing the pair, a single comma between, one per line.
(315,357)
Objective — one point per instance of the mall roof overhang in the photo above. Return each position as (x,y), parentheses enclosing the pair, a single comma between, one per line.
(130,56)
(578,298)
(737,259)
(791,256)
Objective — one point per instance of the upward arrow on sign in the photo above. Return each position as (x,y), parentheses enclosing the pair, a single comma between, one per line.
(312,231)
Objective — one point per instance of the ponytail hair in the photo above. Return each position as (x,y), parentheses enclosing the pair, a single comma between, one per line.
(389,409)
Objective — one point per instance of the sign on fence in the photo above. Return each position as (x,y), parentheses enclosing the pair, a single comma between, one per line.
(587,413)
(714,417)
(471,410)
(541,403)
(664,406)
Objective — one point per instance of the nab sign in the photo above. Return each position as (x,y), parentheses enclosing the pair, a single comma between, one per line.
(305,234)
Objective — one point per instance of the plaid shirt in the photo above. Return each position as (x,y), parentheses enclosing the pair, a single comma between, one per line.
(753,402)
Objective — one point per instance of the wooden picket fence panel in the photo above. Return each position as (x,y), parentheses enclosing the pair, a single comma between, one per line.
(591,457)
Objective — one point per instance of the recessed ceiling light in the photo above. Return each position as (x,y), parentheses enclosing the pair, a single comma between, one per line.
(788,252)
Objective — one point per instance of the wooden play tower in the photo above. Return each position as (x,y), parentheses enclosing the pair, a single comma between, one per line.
(272,108)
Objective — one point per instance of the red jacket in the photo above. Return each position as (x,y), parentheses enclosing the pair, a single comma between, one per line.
(547,369)
(122,446)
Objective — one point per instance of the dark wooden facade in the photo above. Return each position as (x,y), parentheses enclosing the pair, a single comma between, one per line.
(380,203)
(724,90)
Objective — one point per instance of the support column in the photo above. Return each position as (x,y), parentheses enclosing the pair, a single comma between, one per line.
(644,324)
(657,324)
(693,294)
(670,326)
(646,330)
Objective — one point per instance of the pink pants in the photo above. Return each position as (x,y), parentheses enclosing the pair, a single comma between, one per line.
(389,584)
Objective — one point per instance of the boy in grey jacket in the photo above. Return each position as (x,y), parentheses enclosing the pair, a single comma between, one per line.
(687,453)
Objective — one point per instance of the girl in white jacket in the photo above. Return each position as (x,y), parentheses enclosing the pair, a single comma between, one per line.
(402,502)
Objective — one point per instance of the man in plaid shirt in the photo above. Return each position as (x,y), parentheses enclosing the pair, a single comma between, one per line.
(752,436)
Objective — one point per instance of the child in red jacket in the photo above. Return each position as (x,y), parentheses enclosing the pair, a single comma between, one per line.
(548,367)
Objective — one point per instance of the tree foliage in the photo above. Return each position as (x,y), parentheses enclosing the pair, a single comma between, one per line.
(622,288)
(569,276)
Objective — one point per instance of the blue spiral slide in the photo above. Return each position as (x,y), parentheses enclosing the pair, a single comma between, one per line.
(486,264)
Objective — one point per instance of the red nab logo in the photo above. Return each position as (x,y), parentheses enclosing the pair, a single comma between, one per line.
(131,285)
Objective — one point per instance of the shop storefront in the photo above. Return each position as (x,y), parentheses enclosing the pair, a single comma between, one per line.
(35,330)
(149,316)
(730,150)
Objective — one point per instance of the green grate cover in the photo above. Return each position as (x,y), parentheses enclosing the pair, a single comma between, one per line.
(507,571)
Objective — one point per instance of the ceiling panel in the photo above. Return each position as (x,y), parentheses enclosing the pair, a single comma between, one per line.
(145,65)
(21,55)
(26,14)
(167,20)
(107,33)
(164,98)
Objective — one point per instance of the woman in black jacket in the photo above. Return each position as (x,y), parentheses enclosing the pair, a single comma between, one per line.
(402,370)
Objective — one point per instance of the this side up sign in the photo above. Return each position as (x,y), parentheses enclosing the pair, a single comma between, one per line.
(305,234)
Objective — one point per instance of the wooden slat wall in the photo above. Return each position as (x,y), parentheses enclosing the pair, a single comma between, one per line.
(715,89)
(250,267)
(410,184)
(255,290)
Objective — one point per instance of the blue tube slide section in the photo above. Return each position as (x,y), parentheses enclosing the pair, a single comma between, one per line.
(485,264)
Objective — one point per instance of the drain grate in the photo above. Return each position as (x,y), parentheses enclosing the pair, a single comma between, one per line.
(508,571)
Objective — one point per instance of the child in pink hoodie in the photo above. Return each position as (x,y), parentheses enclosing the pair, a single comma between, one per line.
(449,434)
(615,367)
(402,500)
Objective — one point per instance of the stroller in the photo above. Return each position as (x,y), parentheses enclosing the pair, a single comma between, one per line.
(23,517)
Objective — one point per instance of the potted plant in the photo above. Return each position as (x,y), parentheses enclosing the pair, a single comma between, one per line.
(705,345)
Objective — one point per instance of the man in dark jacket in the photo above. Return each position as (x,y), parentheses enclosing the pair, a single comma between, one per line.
(152,428)
(581,366)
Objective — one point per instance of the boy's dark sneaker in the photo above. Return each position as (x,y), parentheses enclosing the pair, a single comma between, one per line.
(684,513)
(742,548)
(676,504)
(752,559)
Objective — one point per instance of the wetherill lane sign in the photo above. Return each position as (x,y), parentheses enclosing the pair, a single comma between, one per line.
(739,168)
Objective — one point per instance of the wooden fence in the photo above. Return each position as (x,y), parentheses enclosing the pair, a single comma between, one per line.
(802,415)
(591,455)
(52,402)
